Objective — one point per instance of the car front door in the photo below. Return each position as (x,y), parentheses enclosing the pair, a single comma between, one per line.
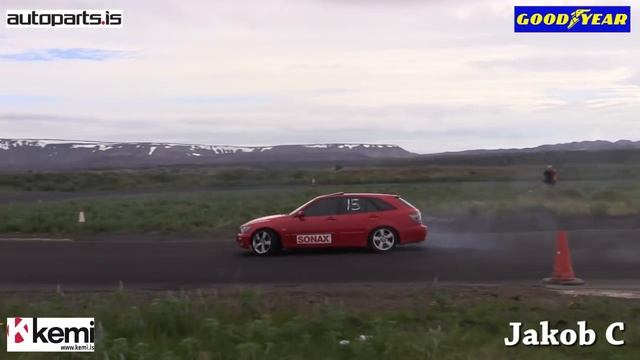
(317,227)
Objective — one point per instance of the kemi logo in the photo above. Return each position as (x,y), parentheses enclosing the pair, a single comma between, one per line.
(50,334)
(572,19)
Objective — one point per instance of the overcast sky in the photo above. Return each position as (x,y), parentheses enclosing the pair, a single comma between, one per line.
(429,75)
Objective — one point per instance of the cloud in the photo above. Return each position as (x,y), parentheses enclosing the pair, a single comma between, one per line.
(54,54)
(556,63)
(39,118)
(383,2)
(634,78)
(430,75)
(21,99)
(223,99)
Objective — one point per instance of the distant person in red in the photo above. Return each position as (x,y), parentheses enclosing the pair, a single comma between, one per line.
(550,176)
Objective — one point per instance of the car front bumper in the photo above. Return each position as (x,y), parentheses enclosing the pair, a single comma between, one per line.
(244,240)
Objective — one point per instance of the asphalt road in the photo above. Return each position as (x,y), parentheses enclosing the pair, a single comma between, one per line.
(597,255)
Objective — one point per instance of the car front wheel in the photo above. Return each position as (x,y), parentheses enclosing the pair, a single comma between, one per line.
(265,242)
(382,239)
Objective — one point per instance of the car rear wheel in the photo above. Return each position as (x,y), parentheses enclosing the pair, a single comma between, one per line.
(382,239)
(265,242)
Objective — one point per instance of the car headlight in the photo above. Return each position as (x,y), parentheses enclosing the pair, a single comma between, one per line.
(244,229)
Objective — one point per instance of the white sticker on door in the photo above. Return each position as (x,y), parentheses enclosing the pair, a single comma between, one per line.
(313,239)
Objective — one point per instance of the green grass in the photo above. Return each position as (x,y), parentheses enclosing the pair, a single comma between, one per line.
(216,210)
(184,178)
(196,326)
(444,192)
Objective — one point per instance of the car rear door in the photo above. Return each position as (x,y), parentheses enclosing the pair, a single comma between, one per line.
(358,216)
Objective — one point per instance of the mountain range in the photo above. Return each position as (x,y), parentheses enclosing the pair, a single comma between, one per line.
(48,154)
(592,145)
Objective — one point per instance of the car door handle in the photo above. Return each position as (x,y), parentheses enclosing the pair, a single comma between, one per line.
(373,216)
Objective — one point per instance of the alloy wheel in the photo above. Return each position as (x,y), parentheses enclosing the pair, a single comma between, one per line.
(383,239)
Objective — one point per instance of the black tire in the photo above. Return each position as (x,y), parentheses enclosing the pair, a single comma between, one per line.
(383,239)
(265,242)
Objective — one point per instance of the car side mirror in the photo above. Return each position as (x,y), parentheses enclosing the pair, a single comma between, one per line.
(299,214)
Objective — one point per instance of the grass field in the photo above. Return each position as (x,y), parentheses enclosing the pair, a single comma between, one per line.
(204,212)
(252,325)
(440,192)
(181,178)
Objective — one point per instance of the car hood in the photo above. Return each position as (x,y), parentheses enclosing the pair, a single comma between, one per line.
(266,218)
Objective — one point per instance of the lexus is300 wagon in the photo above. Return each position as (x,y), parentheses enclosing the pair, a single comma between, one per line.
(377,221)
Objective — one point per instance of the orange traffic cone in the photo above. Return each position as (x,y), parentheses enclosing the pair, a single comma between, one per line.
(562,268)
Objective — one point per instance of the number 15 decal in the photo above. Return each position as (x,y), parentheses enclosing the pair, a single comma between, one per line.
(353,204)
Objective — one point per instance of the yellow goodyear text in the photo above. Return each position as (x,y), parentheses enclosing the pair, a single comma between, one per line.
(572,18)
(582,16)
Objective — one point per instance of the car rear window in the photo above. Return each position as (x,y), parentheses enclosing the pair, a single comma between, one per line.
(356,204)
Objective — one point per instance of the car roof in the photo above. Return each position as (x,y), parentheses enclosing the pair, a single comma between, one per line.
(358,194)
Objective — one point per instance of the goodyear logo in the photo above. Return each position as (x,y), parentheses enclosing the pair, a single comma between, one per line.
(572,19)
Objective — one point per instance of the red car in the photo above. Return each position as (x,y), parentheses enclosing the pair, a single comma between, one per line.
(377,221)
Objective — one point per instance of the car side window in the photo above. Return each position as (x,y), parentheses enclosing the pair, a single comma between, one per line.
(323,207)
(381,205)
(356,205)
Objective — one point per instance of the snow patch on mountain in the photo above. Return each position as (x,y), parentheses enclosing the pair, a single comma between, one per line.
(6,144)
(82,154)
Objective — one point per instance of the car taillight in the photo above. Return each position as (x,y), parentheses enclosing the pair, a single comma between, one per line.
(416,217)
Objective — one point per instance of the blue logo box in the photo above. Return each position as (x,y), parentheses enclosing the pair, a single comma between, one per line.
(572,19)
